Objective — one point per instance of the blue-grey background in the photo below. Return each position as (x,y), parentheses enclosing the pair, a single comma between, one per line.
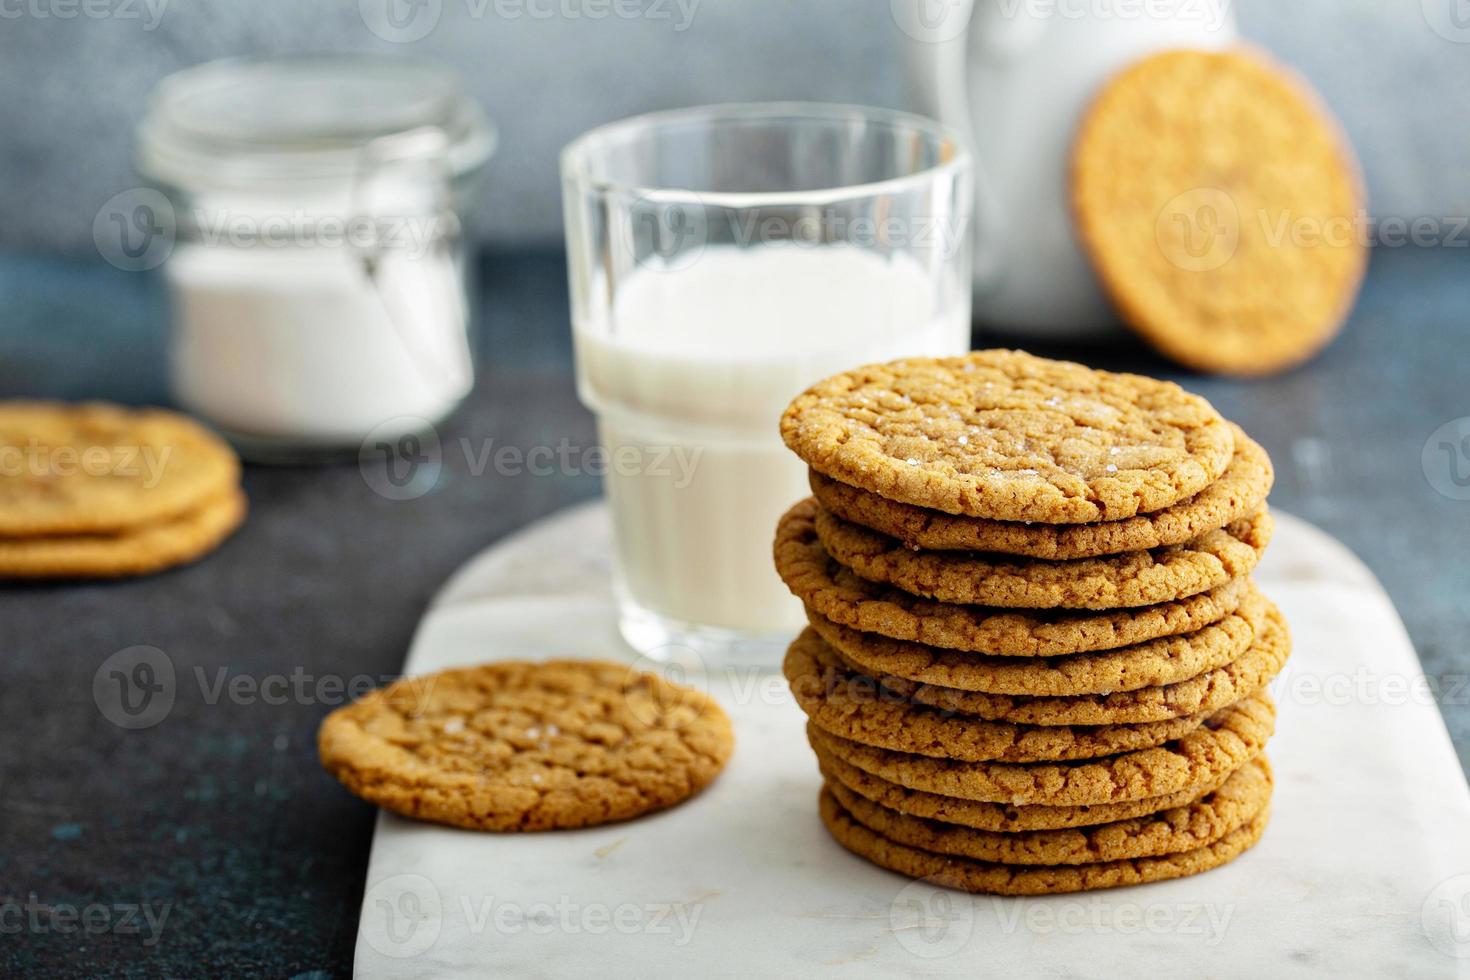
(221,814)
(75,74)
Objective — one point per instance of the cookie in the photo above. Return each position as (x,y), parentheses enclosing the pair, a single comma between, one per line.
(999,817)
(1239,492)
(1202,694)
(1137,578)
(1221,208)
(102,469)
(857,708)
(1008,436)
(141,550)
(1155,663)
(1225,742)
(1184,828)
(986,877)
(836,593)
(528,746)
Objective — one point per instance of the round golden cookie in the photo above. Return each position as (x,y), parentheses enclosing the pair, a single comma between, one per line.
(1225,742)
(141,550)
(1239,492)
(1154,663)
(1202,694)
(1183,828)
(1000,818)
(986,877)
(856,707)
(1136,578)
(836,593)
(528,746)
(1012,437)
(94,468)
(1222,209)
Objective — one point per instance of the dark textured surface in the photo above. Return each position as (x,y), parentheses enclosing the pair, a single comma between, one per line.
(219,816)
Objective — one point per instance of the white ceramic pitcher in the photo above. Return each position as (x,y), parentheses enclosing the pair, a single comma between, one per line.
(1015,77)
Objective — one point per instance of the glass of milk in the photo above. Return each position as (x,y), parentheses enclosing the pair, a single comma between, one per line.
(722,259)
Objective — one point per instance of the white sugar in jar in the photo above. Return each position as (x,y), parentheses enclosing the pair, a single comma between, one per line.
(318,273)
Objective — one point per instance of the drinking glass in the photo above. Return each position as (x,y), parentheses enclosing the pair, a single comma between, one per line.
(722,259)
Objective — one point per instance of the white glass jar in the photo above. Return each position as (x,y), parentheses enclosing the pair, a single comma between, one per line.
(318,274)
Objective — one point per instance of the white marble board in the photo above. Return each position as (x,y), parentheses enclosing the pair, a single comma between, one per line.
(1364,870)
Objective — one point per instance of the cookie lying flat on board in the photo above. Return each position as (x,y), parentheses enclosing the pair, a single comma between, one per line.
(1004,435)
(857,708)
(836,593)
(1162,662)
(1204,693)
(1239,492)
(986,877)
(1196,824)
(515,746)
(1129,580)
(1226,741)
(1000,817)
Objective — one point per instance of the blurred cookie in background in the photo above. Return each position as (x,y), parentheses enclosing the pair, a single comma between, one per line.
(1222,208)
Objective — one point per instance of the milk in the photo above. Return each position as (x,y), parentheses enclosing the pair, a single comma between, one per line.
(302,347)
(689,374)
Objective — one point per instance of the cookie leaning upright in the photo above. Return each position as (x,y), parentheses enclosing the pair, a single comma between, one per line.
(1222,209)
(1004,435)
(1029,591)
(96,490)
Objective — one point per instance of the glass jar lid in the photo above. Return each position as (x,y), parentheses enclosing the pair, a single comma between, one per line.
(315,119)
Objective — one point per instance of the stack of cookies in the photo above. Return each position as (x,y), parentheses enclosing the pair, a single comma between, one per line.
(100,491)
(1036,661)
